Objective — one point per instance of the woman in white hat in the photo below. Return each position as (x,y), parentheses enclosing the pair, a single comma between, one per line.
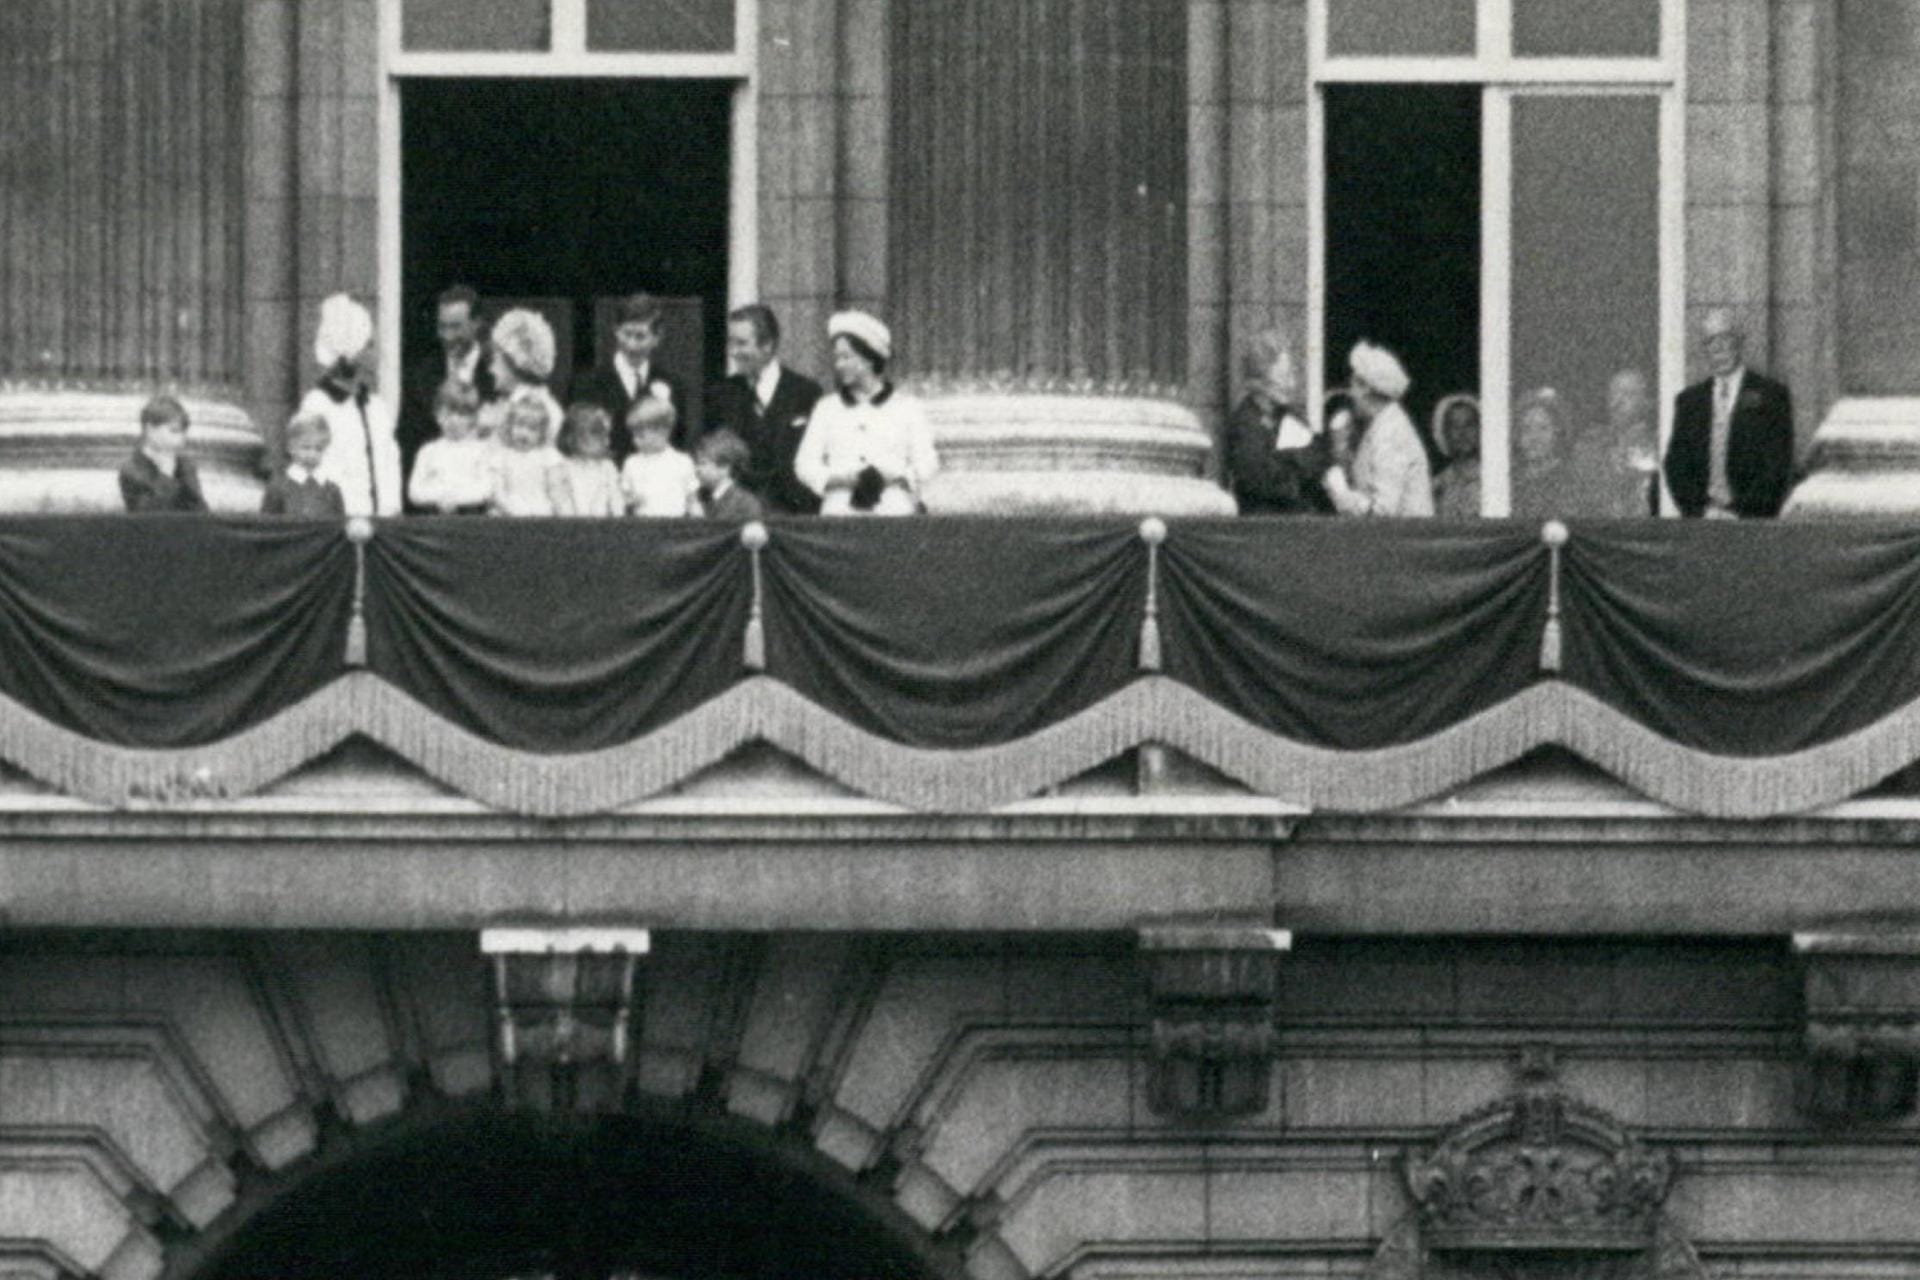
(1389,473)
(521,362)
(869,449)
(363,458)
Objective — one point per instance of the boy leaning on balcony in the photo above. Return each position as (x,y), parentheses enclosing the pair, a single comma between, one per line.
(159,476)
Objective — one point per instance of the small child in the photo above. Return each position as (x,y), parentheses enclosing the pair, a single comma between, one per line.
(658,479)
(453,474)
(526,470)
(158,477)
(717,461)
(297,490)
(590,482)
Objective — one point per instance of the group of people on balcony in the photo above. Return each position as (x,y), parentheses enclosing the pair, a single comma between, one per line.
(484,434)
(1730,455)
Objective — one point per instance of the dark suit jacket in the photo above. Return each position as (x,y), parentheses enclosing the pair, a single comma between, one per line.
(1759,447)
(311,499)
(736,504)
(144,487)
(773,436)
(604,388)
(419,385)
(1270,481)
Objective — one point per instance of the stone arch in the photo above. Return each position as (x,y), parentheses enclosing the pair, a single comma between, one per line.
(487,1189)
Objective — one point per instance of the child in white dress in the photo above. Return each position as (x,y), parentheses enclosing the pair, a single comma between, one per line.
(592,481)
(659,480)
(528,473)
(454,474)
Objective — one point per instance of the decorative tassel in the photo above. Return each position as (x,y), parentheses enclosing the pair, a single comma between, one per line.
(754,647)
(1153,531)
(1554,534)
(359,531)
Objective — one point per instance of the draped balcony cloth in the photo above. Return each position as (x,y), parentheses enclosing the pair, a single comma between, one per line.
(561,667)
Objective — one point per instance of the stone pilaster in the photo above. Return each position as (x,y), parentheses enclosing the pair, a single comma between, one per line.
(1729,148)
(801,160)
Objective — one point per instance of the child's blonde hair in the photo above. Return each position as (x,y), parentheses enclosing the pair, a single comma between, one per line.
(529,410)
(306,426)
(651,413)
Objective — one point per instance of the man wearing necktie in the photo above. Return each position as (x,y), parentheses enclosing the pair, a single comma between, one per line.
(1731,455)
(767,405)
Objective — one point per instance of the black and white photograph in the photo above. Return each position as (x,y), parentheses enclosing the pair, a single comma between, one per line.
(959,639)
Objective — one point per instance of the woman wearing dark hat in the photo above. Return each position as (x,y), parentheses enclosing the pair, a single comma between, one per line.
(1274,458)
(868,450)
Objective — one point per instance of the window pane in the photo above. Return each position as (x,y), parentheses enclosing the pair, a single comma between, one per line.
(1587,29)
(1879,197)
(1586,304)
(661,26)
(493,25)
(1372,28)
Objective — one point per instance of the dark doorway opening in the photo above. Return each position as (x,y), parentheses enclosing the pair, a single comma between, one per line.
(562,192)
(495,1195)
(1403,233)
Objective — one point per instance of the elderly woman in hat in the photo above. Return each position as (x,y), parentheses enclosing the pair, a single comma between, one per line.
(1389,474)
(1456,430)
(521,364)
(1274,457)
(363,457)
(869,449)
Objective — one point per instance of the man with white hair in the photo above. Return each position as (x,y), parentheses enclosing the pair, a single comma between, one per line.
(1731,455)
(1389,472)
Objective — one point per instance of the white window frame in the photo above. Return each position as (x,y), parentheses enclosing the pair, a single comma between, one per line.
(1502,77)
(569,58)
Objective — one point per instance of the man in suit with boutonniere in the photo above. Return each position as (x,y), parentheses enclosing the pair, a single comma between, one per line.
(1731,456)
(631,375)
(767,405)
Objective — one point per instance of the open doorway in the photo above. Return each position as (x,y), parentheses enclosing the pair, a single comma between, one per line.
(562,192)
(1403,233)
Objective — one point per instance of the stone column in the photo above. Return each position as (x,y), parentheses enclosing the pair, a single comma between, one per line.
(1037,252)
(121,196)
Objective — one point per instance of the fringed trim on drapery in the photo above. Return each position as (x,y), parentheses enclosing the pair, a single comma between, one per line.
(1153,709)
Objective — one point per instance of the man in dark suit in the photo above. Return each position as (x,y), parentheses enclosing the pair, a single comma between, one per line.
(631,374)
(1731,456)
(767,405)
(462,358)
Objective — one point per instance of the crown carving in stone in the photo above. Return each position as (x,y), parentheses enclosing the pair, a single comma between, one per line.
(1539,1170)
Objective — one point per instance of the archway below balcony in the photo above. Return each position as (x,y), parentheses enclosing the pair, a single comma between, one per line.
(484,1193)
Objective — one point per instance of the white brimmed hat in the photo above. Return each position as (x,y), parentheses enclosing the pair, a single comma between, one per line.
(869,329)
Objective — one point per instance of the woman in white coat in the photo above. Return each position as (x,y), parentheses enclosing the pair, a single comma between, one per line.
(868,450)
(363,457)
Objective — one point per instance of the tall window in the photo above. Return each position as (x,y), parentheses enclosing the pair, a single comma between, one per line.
(1563,237)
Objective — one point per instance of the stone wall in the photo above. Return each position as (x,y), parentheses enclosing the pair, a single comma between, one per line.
(992,1088)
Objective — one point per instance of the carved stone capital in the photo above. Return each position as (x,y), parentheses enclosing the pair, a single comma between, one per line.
(1862,1038)
(1212,1034)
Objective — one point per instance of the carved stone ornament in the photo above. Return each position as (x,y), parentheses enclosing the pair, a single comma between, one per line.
(1862,1041)
(1212,1033)
(1538,1184)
